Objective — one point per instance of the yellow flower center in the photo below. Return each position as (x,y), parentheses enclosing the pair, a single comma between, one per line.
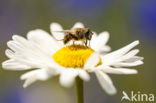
(73,56)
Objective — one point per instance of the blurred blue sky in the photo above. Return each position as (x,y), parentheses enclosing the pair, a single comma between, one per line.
(14,96)
(143,17)
(81,8)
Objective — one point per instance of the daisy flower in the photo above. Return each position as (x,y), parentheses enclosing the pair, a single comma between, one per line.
(48,57)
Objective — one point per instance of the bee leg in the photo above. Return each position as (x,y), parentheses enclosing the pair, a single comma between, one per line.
(86,42)
(73,42)
(89,42)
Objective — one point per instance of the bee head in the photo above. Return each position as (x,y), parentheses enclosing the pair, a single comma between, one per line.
(88,34)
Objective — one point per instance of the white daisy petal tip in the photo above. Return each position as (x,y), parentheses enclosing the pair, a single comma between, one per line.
(136,42)
(78,25)
(9,53)
(136,58)
(25,85)
(123,71)
(128,71)
(67,84)
(140,62)
(28,82)
(105,33)
(141,58)
(104,36)
(15,36)
(22,78)
(67,77)
(98,43)
(55,28)
(13,65)
(112,91)
(9,43)
(32,76)
(5,66)
(134,72)
(37,32)
(84,75)
(105,82)
(132,45)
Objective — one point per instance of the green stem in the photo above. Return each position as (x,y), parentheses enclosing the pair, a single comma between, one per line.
(79,90)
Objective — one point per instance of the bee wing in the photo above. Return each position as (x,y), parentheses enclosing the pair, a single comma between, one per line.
(56,27)
(63,32)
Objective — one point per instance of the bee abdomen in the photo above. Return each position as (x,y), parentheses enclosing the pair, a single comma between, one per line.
(73,36)
(67,39)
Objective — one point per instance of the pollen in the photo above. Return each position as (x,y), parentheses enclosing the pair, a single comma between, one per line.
(72,56)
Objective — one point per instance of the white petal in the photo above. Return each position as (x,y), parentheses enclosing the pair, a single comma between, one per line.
(93,40)
(101,40)
(130,54)
(124,64)
(105,49)
(134,58)
(92,61)
(117,70)
(14,65)
(105,82)
(41,74)
(32,76)
(29,82)
(43,40)
(120,71)
(35,52)
(21,40)
(78,25)
(13,45)
(55,28)
(67,77)
(111,57)
(18,44)
(9,53)
(84,75)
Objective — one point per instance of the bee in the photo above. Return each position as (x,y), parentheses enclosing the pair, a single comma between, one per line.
(77,34)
